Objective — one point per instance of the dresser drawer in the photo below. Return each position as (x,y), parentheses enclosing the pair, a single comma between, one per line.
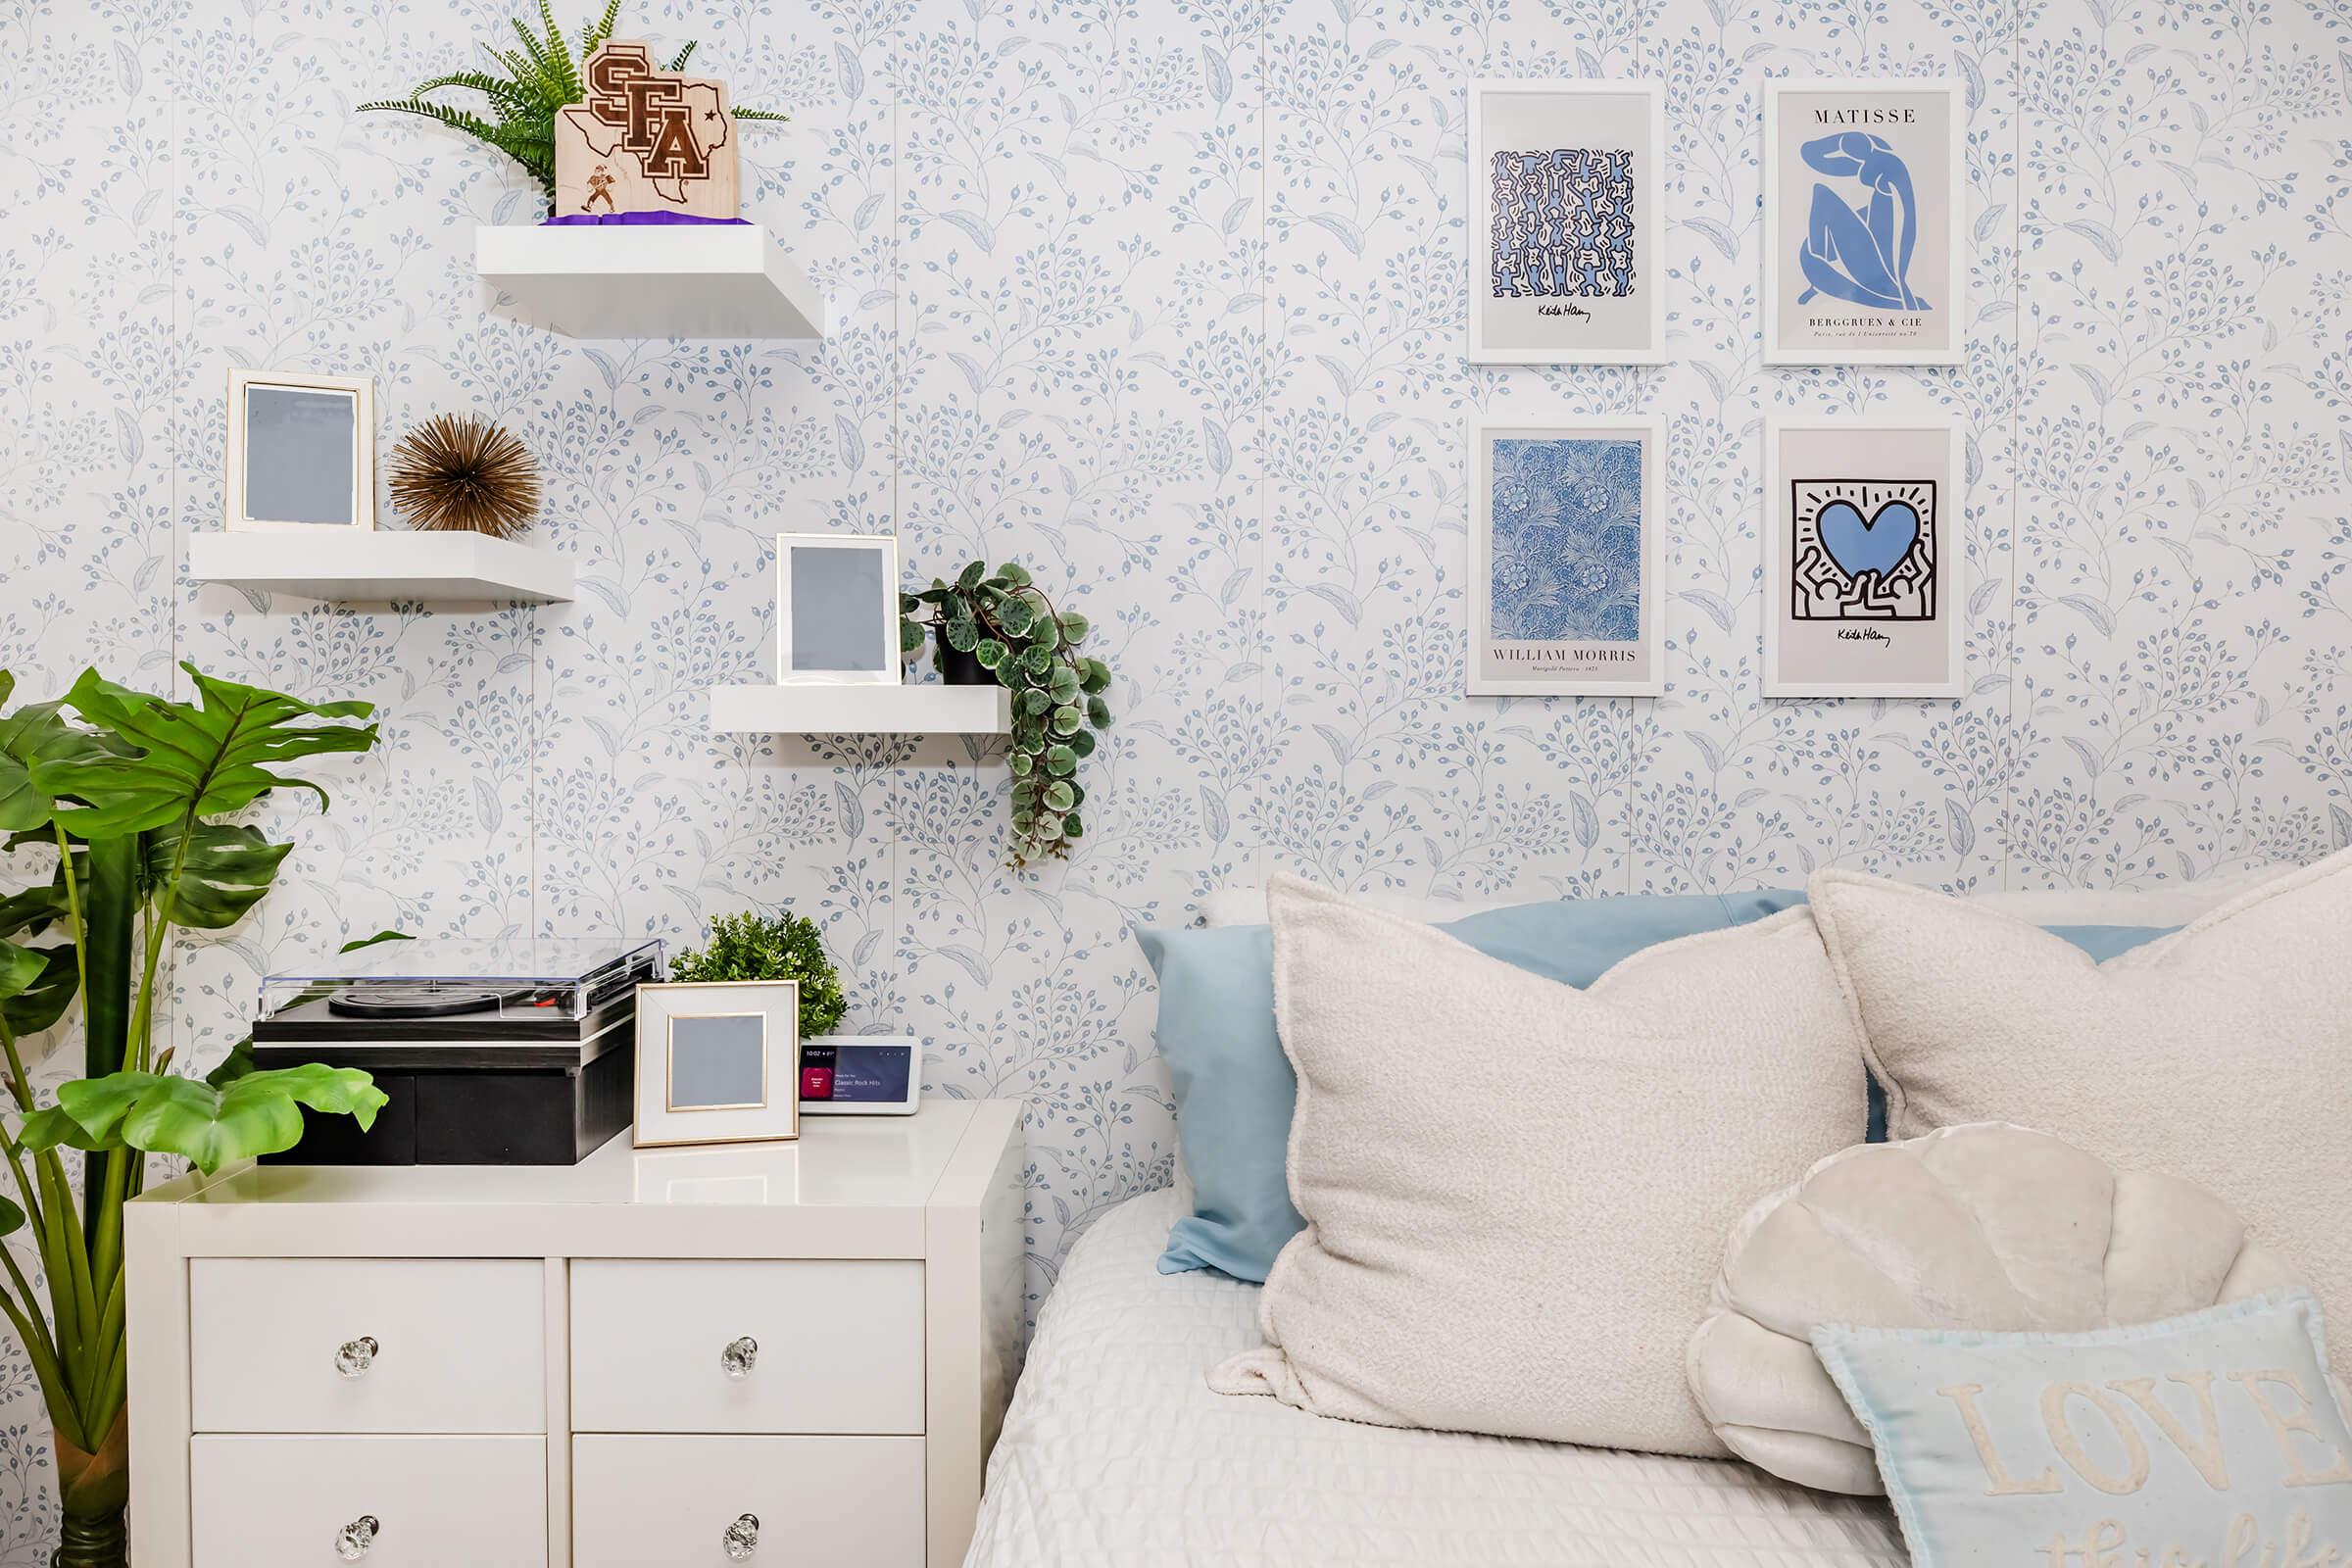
(845,1502)
(437,1502)
(458,1345)
(839,1346)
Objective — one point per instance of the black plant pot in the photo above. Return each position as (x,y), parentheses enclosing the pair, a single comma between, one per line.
(956,669)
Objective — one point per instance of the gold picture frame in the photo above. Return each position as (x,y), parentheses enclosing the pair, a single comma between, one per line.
(762,1017)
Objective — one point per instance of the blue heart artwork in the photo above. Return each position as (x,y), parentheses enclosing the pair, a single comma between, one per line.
(1864,548)
(1877,542)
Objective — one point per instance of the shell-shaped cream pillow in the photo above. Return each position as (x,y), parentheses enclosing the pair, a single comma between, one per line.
(1984,1226)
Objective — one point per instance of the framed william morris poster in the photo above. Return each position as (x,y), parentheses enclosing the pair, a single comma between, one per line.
(1566,547)
(1864,200)
(1567,223)
(1863,541)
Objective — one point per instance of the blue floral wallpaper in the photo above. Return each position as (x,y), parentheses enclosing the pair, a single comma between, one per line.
(1165,298)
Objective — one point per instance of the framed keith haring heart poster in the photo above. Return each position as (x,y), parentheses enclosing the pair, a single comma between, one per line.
(1865,192)
(1864,546)
(1567,223)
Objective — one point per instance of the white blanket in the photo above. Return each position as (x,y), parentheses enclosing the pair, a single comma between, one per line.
(1116,1454)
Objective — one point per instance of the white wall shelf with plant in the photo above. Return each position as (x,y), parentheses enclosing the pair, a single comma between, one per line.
(689,281)
(930,708)
(372,566)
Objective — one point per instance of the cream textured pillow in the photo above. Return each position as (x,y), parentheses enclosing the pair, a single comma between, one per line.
(1515,1192)
(2221,1053)
(1986,1228)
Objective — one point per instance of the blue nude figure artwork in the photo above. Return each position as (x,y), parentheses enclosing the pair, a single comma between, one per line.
(1563,224)
(1860,251)
(1864,550)
(1566,540)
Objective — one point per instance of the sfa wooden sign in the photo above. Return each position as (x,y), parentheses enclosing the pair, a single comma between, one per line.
(646,141)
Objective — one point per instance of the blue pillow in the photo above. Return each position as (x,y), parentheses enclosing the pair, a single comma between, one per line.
(1235,1088)
(2208,1439)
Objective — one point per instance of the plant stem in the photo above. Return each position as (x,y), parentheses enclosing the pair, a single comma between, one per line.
(64,1247)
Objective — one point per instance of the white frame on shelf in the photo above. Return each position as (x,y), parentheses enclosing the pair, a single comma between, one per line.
(361,390)
(893,659)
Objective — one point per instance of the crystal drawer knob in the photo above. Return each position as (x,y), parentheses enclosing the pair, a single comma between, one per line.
(353,1357)
(742,1538)
(356,1538)
(738,1359)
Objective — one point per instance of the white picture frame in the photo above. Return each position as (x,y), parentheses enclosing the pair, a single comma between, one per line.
(300,455)
(1590,128)
(1855,620)
(1583,493)
(845,630)
(1908,136)
(730,1076)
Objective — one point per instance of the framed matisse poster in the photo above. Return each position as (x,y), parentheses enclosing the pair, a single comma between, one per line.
(1862,548)
(1567,547)
(1567,260)
(1864,202)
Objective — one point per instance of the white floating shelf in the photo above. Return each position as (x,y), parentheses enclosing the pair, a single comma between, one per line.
(702,280)
(374,565)
(928,710)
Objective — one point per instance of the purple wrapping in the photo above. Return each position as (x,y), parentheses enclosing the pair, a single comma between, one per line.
(571,219)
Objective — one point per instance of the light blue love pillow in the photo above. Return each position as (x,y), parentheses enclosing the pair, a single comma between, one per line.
(1235,1088)
(2211,1440)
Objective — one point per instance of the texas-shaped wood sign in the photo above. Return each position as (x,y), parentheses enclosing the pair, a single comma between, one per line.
(646,141)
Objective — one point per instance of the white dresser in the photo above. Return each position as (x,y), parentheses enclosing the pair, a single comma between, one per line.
(761,1354)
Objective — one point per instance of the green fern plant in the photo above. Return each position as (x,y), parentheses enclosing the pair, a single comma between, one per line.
(541,78)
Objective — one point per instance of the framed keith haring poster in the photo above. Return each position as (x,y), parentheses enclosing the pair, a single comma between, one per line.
(1864,539)
(1566,550)
(1864,199)
(1566,222)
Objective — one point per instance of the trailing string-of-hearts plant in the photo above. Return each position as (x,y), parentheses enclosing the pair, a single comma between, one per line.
(1006,622)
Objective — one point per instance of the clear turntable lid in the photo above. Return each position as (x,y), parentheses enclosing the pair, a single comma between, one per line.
(565,974)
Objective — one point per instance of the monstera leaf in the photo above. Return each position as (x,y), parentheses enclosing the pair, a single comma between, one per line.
(24,806)
(211,878)
(211,1124)
(189,759)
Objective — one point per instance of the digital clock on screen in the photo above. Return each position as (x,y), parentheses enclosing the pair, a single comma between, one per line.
(861,1075)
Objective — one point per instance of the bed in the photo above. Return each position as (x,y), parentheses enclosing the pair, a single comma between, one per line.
(1116,1454)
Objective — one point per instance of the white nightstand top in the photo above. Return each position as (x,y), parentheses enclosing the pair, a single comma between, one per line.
(858,1183)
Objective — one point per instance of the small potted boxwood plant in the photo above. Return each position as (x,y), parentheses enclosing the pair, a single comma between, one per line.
(751,946)
(1004,624)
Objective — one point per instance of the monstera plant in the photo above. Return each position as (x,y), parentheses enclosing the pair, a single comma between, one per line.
(1005,622)
(116,798)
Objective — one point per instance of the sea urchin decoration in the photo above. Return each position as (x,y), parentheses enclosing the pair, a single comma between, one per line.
(456,471)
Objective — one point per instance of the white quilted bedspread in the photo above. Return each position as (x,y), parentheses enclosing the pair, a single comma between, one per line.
(1116,1454)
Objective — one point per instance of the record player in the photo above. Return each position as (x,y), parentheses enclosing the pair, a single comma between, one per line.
(491,1053)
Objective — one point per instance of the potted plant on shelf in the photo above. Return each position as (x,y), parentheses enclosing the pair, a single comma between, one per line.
(1004,624)
(750,945)
(127,793)
(540,79)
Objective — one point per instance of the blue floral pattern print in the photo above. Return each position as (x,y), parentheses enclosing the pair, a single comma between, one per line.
(1165,299)
(1567,540)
